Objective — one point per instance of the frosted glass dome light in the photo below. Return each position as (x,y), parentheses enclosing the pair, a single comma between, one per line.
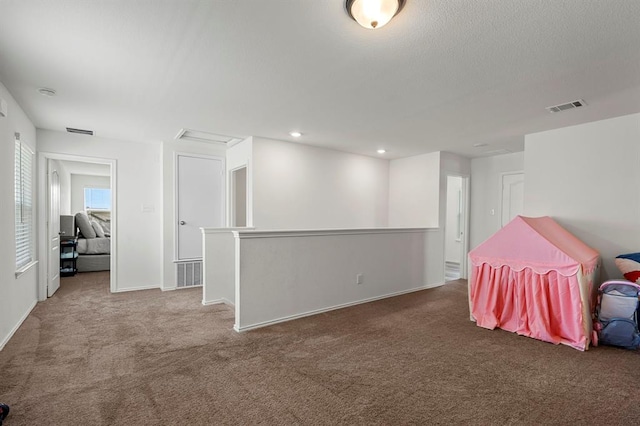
(373,14)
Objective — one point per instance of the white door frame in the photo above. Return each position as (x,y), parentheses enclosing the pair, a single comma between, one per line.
(465,225)
(223,198)
(44,209)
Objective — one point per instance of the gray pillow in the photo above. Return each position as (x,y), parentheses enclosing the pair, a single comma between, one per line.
(98,228)
(82,222)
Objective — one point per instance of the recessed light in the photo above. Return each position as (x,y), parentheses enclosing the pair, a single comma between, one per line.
(46,92)
(382,151)
(295,134)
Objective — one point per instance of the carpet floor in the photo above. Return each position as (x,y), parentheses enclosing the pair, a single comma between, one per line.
(88,357)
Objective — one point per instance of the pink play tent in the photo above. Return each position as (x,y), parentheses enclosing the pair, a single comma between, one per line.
(536,279)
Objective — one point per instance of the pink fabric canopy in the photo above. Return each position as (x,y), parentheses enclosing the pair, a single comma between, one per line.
(538,243)
(535,278)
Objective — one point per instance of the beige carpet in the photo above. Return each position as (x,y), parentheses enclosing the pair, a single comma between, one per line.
(86,357)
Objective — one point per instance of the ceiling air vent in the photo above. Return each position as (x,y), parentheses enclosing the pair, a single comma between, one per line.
(494,152)
(199,136)
(81,131)
(569,105)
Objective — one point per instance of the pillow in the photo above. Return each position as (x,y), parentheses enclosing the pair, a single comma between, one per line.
(629,265)
(82,222)
(96,227)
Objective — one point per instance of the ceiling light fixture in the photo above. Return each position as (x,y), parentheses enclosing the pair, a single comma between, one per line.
(382,151)
(295,134)
(373,14)
(47,92)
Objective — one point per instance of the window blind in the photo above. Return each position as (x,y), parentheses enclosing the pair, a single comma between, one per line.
(24,203)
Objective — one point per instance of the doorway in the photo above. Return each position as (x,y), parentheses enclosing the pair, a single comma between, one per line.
(238,201)
(456,227)
(62,184)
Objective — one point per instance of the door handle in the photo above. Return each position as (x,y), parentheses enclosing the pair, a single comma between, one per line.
(61,233)
(182,222)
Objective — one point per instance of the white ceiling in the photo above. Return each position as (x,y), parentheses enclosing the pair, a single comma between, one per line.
(443,75)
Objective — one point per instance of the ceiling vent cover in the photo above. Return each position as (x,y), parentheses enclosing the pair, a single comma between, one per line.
(80,131)
(199,136)
(569,105)
(494,152)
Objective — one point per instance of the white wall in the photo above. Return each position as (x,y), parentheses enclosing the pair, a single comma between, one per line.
(219,262)
(17,295)
(79,183)
(139,173)
(414,184)
(586,177)
(167,206)
(486,193)
(302,187)
(281,275)
(418,198)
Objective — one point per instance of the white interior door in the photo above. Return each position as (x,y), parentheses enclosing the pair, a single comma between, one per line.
(53,272)
(512,196)
(200,201)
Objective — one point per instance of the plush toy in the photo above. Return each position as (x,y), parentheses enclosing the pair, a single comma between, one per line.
(629,265)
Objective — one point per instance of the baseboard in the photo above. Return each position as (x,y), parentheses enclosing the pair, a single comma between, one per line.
(332,308)
(180,288)
(440,284)
(124,290)
(17,326)
(221,301)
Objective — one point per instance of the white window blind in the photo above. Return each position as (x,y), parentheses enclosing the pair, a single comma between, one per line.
(97,199)
(24,203)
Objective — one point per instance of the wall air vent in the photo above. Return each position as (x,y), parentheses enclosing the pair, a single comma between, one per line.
(189,274)
(199,136)
(80,131)
(569,105)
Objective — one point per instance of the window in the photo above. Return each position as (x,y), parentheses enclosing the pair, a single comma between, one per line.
(24,204)
(97,199)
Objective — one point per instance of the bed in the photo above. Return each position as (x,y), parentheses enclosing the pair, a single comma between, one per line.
(94,242)
(536,279)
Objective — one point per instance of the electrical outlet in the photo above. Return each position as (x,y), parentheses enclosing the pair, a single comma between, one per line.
(358,278)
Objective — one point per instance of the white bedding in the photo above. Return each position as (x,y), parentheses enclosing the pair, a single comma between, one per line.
(94,246)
